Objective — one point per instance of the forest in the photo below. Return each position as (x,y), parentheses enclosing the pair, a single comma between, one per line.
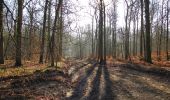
(84,50)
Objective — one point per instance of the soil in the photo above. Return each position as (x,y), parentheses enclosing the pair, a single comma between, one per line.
(88,80)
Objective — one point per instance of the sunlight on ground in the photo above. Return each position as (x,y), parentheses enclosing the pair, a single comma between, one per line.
(157,85)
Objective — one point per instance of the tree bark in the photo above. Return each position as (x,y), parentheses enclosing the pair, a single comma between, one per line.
(49,31)
(30,34)
(147,19)
(1,33)
(104,12)
(19,33)
(100,48)
(52,44)
(43,33)
(61,34)
(167,34)
(126,33)
(142,30)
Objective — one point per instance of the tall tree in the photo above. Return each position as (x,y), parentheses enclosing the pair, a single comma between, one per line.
(104,12)
(19,33)
(49,31)
(161,32)
(31,11)
(114,29)
(1,33)
(60,36)
(147,27)
(142,30)
(167,34)
(52,44)
(127,32)
(100,48)
(43,33)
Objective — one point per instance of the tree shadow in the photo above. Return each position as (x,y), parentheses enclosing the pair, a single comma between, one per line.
(152,71)
(109,94)
(143,86)
(94,93)
(79,89)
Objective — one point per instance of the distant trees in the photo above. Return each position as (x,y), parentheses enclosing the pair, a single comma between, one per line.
(27,36)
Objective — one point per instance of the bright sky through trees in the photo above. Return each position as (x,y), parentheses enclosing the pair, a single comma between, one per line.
(84,17)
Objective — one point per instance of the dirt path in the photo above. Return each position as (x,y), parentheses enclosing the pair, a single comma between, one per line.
(87,80)
(120,82)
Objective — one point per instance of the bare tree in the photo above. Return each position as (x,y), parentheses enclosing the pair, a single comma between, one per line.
(147,27)
(19,33)
(100,48)
(167,34)
(142,30)
(43,33)
(52,44)
(1,33)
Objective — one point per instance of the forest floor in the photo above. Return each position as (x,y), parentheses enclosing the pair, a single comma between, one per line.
(87,80)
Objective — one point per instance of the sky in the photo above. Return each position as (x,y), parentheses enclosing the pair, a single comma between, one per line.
(84,17)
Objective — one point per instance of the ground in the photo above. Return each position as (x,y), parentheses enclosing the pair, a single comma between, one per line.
(87,80)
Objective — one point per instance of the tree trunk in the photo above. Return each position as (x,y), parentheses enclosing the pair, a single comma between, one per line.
(137,34)
(30,35)
(134,36)
(43,33)
(19,33)
(160,37)
(100,48)
(92,48)
(167,34)
(1,33)
(52,44)
(147,19)
(49,31)
(126,36)
(61,34)
(142,30)
(104,33)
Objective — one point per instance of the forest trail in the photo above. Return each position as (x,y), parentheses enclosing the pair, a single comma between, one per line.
(87,80)
(121,82)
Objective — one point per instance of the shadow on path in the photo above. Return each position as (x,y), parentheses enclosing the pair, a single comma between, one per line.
(94,94)
(108,95)
(154,71)
(79,89)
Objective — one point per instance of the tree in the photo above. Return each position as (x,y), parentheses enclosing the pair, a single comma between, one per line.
(19,33)
(49,29)
(31,12)
(104,40)
(52,44)
(147,27)
(100,48)
(1,33)
(142,30)
(161,33)
(127,32)
(167,34)
(43,33)
(114,29)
